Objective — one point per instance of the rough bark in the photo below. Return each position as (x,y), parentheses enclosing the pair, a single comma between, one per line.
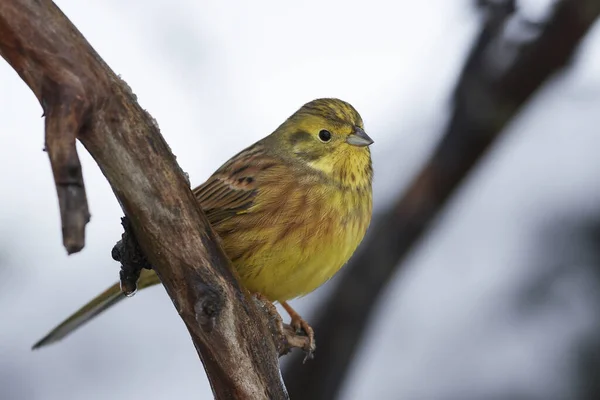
(83,99)
(498,78)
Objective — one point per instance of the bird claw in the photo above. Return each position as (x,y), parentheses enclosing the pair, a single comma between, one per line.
(298,334)
(300,326)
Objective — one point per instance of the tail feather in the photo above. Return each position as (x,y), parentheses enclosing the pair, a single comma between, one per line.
(96,306)
(99,304)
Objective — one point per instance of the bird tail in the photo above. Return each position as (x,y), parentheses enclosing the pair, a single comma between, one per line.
(96,306)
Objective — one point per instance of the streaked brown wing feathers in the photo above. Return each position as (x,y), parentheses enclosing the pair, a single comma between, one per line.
(232,189)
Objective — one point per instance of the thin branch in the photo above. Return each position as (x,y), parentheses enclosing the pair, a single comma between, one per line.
(66,106)
(82,98)
(500,75)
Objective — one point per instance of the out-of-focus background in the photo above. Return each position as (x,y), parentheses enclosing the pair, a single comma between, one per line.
(499,300)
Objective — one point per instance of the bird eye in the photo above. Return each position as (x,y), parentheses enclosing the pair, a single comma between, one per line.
(325,135)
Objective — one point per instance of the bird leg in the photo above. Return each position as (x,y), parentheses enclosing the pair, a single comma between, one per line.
(286,335)
(301,326)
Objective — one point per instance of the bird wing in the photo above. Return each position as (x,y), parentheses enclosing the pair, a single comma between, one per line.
(222,197)
(232,189)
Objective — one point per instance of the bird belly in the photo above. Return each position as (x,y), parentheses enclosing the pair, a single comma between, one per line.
(289,272)
(300,262)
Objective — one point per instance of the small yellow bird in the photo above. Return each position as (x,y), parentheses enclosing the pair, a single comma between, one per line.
(290,209)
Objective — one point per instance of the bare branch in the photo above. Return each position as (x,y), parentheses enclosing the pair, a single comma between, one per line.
(66,107)
(82,98)
(62,127)
(500,75)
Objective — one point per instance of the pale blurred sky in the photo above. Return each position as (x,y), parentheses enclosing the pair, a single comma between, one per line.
(220,75)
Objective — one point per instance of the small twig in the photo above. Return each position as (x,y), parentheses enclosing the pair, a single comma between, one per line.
(295,340)
(66,108)
(66,112)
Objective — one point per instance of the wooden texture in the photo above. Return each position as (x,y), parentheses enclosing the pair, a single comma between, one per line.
(83,99)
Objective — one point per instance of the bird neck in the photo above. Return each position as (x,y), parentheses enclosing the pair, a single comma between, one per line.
(352,172)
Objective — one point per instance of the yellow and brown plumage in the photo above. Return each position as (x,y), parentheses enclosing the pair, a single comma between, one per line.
(290,209)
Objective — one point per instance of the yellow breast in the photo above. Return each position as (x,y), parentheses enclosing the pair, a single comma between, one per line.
(309,232)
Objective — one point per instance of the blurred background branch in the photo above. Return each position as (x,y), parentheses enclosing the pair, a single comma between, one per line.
(568,255)
(509,61)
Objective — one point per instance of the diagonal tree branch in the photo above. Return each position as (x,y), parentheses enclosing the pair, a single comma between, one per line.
(82,98)
(499,76)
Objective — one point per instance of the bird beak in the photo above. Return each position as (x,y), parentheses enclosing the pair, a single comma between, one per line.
(359,138)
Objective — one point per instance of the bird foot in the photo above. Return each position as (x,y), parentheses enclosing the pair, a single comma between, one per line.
(289,335)
(300,326)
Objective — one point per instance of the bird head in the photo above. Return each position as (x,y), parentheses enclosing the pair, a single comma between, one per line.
(328,135)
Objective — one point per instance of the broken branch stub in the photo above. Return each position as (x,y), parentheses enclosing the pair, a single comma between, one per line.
(44,63)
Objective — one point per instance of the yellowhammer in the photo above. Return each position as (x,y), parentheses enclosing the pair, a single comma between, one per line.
(290,209)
